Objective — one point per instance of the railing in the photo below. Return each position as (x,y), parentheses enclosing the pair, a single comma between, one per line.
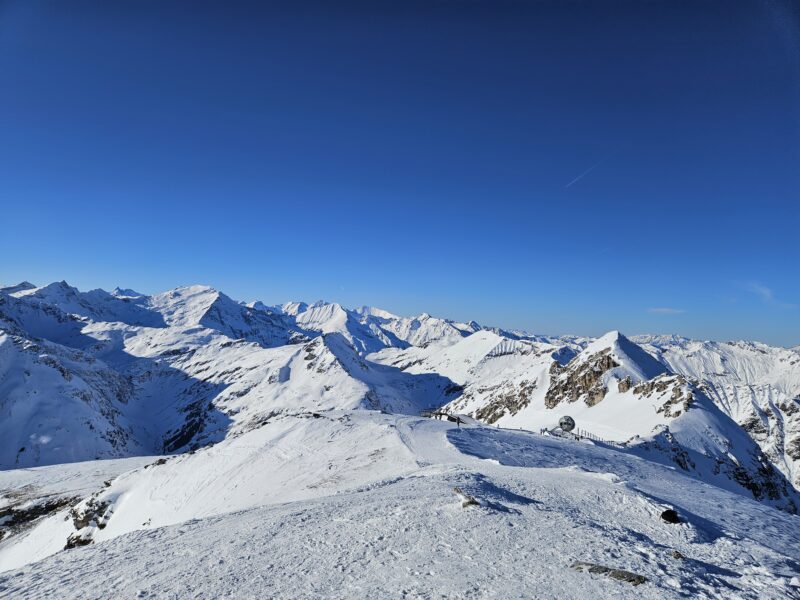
(578,433)
(581,434)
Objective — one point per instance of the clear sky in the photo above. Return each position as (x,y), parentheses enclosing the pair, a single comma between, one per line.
(562,167)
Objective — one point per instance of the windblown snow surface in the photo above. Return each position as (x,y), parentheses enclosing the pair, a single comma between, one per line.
(185,445)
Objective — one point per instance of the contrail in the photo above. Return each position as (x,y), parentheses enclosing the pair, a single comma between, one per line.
(584,174)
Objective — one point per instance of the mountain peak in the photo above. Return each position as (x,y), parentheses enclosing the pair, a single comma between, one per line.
(371,311)
(629,355)
(293,308)
(20,287)
(125,293)
(57,286)
(186,305)
(607,340)
(59,292)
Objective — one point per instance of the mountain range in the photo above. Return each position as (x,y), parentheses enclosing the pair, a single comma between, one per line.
(225,393)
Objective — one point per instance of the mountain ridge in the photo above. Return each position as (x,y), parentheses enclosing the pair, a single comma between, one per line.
(191,407)
(229,365)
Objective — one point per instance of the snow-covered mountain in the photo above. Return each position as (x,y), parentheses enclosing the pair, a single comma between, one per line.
(615,391)
(250,404)
(209,366)
(756,385)
(202,367)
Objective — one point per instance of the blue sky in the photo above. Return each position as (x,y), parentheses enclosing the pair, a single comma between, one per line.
(562,167)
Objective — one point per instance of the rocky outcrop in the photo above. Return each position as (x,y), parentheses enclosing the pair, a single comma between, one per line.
(663,443)
(618,574)
(508,401)
(17,518)
(579,380)
(752,470)
(86,518)
(771,421)
(679,400)
(763,483)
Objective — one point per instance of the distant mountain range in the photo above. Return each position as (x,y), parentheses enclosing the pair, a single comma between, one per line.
(99,374)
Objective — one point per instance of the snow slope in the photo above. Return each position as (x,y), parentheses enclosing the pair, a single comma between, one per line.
(391,525)
(59,405)
(757,385)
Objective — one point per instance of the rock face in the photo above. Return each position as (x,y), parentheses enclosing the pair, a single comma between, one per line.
(506,402)
(581,380)
(610,360)
(86,517)
(619,574)
(18,517)
(680,399)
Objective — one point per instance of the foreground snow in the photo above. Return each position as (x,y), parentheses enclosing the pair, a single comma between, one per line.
(546,503)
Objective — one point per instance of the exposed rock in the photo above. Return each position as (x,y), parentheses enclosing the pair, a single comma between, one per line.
(753,425)
(755,385)
(466,499)
(86,517)
(509,401)
(657,385)
(664,443)
(765,482)
(579,380)
(90,512)
(619,574)
(17,518)
(670,516)
(793,448)
(77,539)
(761,479)
(680,401)
(196,414)
(453,389)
